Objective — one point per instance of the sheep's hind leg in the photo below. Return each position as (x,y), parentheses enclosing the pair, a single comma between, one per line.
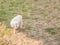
(21,24)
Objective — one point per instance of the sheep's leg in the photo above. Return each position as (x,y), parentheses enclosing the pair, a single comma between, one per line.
(14,31)
(21,24)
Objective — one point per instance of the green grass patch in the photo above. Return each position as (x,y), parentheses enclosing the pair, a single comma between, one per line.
(2,6)
(28,27)
(53,33)
(50,30)
(2,12)
(26,17)
(2,19)
(35,18)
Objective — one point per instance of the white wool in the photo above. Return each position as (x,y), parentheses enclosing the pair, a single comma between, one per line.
(15,22)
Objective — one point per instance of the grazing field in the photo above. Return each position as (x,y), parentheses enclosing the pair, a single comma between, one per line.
(41,22)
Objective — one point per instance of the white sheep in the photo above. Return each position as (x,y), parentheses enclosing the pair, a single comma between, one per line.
(16,22)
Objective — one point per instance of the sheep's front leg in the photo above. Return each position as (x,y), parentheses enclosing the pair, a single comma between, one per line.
(14,30)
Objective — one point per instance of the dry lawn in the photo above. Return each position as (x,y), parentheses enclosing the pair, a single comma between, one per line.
(41,22)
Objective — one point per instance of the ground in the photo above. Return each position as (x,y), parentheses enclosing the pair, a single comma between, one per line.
(41,22)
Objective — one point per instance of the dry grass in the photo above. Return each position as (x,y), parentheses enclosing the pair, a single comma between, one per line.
(41,21)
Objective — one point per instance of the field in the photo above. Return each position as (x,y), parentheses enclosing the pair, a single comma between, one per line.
(41,22)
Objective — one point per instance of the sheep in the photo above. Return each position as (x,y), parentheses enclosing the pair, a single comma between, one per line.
(16,22)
